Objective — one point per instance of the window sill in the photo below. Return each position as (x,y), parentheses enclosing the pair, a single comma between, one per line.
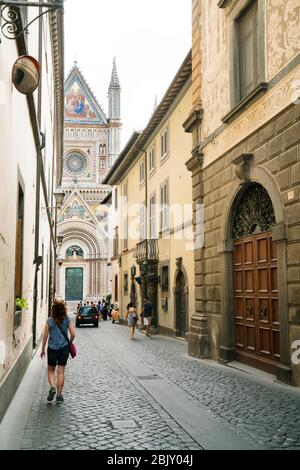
(164,232)
(245,102)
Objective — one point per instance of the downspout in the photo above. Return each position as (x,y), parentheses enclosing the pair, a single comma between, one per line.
(37,194)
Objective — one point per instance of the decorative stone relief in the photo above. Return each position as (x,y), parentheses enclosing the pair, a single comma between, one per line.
(242,169)
(264,110)
(283,33)
(75,211)
(254,213)
(215,66)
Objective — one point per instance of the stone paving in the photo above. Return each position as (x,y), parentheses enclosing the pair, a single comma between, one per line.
(264,413)
(98,391)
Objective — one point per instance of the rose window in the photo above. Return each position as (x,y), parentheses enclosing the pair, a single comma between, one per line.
(75,163)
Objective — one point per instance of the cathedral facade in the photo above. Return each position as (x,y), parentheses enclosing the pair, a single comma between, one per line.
(91,146)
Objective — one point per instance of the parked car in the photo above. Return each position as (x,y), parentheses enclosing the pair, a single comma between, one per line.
(87,315)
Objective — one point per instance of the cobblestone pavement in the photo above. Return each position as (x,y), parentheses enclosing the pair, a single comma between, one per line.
(264,413)
(99,390)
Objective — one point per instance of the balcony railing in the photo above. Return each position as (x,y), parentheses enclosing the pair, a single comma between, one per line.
(146,250)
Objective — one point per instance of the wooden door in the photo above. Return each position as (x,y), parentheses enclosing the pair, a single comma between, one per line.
(74,284)
(256,302)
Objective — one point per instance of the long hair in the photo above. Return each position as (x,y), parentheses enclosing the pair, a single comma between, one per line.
(59,311)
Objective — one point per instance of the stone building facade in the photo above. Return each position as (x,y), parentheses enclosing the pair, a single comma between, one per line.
(245,168)
(91,146)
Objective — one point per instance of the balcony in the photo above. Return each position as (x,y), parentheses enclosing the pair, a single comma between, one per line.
(147,250)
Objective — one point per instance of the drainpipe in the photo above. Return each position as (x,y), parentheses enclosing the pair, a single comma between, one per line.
(37,261)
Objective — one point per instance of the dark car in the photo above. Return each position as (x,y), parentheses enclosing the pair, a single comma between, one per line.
(87,315)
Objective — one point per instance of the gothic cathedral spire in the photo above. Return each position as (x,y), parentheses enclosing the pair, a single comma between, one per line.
(114,94)
(114,115)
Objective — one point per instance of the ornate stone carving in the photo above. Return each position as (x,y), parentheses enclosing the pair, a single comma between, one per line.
(242,169)
(74,211)
(254,212)
(215,92)
(274,102)
(75,163)
(283,33)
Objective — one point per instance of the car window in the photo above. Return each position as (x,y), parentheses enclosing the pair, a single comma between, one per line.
(88,311)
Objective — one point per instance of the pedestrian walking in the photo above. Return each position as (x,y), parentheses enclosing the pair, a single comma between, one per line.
(115,313)
(131,317)
(57,327)
(147,314)
(104,311)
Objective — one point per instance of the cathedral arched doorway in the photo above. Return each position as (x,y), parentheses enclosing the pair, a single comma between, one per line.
(180,305)
(255,280)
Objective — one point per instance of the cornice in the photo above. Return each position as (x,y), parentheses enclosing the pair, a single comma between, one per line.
(223,3)
(56,23)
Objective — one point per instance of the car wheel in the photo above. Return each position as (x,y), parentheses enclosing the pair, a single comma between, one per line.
(96,325)
(77,325)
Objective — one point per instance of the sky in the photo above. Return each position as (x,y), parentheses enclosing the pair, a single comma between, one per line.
(149,38)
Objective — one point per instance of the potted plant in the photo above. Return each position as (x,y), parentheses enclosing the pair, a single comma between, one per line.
(21,303)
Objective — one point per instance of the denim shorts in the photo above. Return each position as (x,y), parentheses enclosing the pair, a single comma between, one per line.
(58,356)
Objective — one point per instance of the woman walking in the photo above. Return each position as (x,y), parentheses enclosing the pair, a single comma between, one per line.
(56,330)
(131,317)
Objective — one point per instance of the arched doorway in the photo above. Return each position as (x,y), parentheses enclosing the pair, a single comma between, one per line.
(180,305)
(255,280)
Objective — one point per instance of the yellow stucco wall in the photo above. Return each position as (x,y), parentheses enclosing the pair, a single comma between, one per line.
(173,170)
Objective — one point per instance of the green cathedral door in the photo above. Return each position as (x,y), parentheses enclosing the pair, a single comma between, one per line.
(74,284)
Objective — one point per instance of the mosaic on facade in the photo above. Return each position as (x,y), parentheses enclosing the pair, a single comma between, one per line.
(77,105)
(75,211)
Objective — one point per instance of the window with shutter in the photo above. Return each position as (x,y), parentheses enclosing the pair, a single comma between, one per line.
(248,31)
(164,210)
(152,217)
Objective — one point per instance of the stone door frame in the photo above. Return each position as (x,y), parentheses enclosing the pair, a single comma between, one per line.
(181,270)
(225,249)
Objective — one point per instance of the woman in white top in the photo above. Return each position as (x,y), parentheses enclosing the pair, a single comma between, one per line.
(131,317)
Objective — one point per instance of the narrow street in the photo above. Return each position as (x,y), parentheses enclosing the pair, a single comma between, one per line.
(149,394)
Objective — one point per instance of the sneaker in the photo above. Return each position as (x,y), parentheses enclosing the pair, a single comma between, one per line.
(59,399)
(51,394)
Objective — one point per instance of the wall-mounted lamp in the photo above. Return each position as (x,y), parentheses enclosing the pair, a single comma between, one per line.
(59,197)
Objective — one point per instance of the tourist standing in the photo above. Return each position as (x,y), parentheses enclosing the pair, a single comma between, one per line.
(147,314)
